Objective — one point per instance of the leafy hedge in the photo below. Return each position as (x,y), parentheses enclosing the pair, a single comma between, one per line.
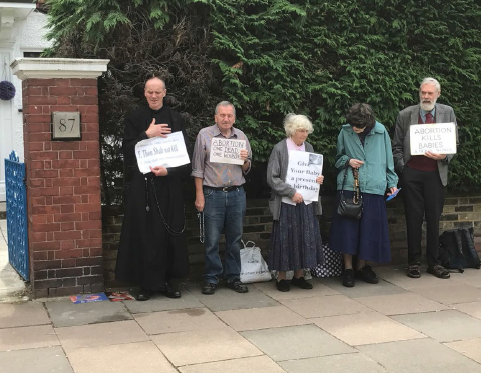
(272,57)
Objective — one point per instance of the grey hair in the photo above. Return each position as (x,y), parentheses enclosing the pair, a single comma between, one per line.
(224,103)
(294,122)
(431,81)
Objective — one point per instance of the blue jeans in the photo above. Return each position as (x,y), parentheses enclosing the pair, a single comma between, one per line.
(223,212)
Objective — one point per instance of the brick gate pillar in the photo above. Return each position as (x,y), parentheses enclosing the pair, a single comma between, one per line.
(62,176)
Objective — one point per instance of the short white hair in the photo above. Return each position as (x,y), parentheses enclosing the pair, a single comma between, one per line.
(294,122)
(431,81)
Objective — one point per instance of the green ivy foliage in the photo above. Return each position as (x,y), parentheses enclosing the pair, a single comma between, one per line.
(272,57)
(318,58)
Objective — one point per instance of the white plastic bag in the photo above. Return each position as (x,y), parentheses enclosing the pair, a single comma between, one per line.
(253,266)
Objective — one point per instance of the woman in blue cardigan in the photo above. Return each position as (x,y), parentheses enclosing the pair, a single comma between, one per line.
(363,146)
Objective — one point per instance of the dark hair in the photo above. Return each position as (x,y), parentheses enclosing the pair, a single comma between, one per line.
(361,115)
(152,76)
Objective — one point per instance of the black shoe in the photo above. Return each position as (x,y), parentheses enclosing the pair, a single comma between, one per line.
(237,286)
(143,295)
(301,283)
(348,278)
(170,291)
(439,272)
(414,271)
(366,274)
(209,288)
(283,285)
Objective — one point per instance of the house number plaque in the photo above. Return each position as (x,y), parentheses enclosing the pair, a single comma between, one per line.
(66,126)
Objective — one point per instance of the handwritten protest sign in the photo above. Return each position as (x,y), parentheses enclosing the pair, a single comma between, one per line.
(167,151)
(226,150)
(436,137)
(302,171)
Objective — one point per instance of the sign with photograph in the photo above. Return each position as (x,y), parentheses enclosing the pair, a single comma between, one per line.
(167,152)
(436,137)
(302,172)
(226,150)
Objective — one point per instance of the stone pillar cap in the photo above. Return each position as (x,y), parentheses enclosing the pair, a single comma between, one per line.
(49,68)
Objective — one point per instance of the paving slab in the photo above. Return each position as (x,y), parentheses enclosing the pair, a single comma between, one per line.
(36,360)
(398,304)
(352,363)
(397,276)
(261,318)
(366,328)
(458,293)
(470,348)
(421,355)
(362,289)
(178,321)
(203,346)
(65,313)
(472,308)
(93,335)
(319,289)
(256,364)
(470,276)
(444,326)
(296,342)
(12,287)
(161,303)
(27,337)
(325,306)
(227,299)
(141,357)
(23,314)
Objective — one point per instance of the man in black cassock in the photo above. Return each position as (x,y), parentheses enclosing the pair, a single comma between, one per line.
(153,247)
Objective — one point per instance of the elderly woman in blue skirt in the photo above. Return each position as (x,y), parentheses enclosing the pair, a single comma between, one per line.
(296,239)
(364,146)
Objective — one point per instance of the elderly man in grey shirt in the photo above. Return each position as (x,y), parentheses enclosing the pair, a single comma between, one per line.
(220,195)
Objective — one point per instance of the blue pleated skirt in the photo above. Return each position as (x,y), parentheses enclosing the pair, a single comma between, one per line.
(368,237)
(296,239)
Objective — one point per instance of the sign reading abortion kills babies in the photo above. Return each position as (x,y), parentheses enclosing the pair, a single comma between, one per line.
(436,137)
(167,151)
(226,151)
(302,172)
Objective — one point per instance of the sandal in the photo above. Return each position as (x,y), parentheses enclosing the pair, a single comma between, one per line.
(439,272)
(414,271)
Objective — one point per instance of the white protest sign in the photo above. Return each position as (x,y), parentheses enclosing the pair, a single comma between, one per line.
(167,151)
(436,137)
(226,150)
(302,172)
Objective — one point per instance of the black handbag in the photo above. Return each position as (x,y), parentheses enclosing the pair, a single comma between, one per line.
(351,208)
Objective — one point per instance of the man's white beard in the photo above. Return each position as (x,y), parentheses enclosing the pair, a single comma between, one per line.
(428,106)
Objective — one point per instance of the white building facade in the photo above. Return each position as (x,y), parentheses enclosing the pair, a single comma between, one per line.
(22,30)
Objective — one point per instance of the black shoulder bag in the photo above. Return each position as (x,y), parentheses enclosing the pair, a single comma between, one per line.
(351,207)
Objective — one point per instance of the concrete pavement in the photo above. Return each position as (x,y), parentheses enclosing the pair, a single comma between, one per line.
(400,325)
(12,287)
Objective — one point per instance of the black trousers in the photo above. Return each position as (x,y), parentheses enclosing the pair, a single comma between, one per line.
(423,195)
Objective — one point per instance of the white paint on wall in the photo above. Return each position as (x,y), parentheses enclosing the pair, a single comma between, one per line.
(27,36)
